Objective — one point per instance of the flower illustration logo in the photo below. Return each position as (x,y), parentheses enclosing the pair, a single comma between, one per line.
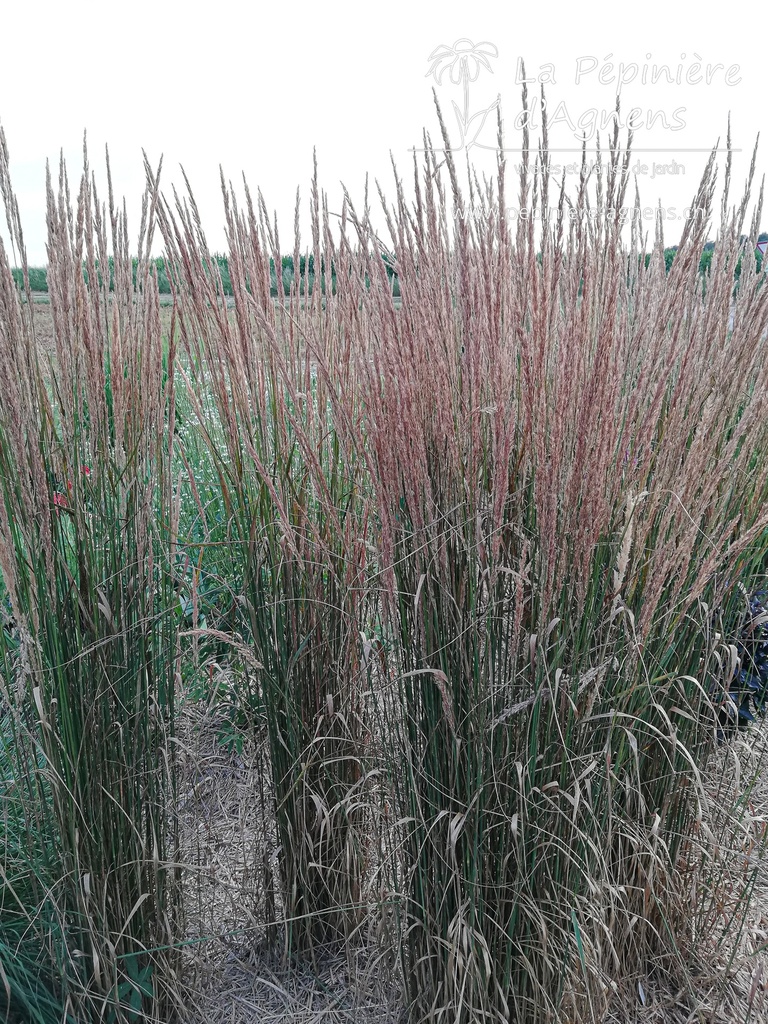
(463,61)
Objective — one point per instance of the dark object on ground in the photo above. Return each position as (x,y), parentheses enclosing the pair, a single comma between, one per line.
(747,696)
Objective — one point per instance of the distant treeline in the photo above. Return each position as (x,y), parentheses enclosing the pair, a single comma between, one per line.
(706,256)
(38,276)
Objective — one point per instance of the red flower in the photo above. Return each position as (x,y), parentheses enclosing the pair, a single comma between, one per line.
(86,472)
(60,500)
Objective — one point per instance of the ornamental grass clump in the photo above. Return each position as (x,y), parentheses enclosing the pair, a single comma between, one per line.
(297,514)
(479,550)
(88,657)
(565,452)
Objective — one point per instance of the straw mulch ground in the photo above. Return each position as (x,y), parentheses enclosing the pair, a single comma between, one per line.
(235,980)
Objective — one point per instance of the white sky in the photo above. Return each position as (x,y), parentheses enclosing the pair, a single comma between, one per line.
(255,87)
